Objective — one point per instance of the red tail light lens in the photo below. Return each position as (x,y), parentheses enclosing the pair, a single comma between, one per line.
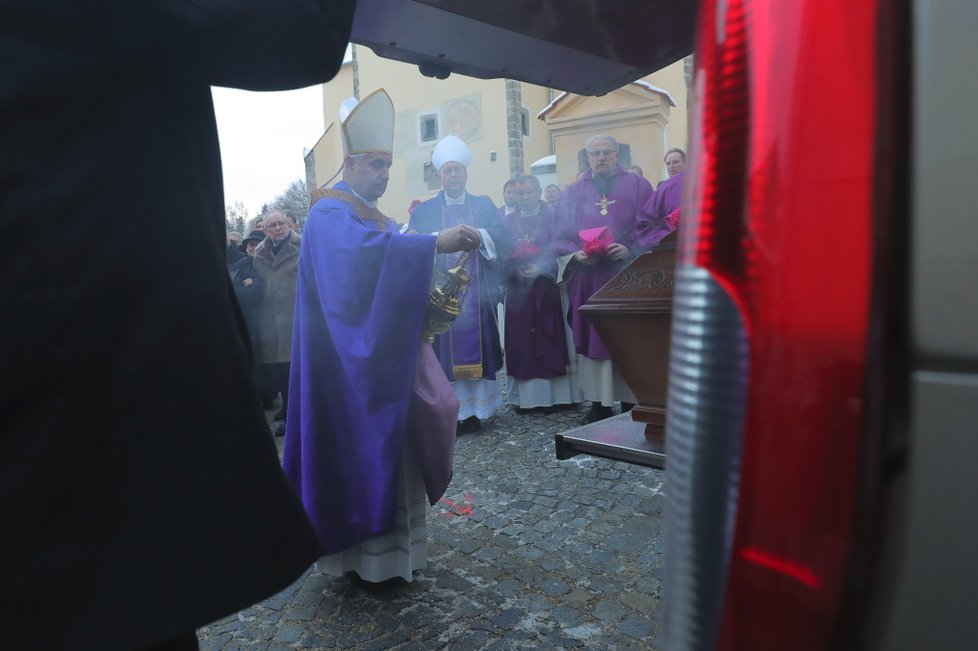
(770,325)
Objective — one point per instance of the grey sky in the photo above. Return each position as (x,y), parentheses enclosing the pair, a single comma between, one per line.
(262,139)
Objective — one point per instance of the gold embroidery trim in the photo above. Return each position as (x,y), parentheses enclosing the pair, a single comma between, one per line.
(468,372)
(363,211)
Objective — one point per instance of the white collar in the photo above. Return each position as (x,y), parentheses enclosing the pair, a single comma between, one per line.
(535,212)
(372,204)
(455,202)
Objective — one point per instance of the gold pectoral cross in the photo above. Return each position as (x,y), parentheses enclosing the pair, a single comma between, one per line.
(604,203)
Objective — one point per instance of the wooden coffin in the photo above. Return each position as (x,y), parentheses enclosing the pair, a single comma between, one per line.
(633,316)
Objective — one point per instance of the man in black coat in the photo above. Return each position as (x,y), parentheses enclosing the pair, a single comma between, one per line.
(140,492)
(248,287)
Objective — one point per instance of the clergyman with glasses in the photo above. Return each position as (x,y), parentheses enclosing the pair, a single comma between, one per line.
(597,235)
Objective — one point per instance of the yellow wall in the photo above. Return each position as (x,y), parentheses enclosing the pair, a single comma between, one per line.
(539,144)
(671,78)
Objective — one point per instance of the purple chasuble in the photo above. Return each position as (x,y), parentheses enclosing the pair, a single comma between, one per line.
(536,346)
(470,349)
(652,224)
(580,208)
(360,303)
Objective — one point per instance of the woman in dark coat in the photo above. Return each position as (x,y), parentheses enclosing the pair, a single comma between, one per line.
(248,286)
(140,492)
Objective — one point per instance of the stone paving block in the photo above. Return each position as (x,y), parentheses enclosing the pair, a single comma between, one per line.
(639,601)
(529,554)
(238,644)
(563,641)
(551,563)
(229,627)
(554,587)
(649,586)
(299,614)
(213,641)
(567,617)
(466,545)
(308,598)
(533,537)
(623,542)
(604,585)
(636,626)
(288,634)
(513,530)
(608,610)
(508,588)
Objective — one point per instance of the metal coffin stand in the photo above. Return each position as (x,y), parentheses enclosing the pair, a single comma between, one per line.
(633,316)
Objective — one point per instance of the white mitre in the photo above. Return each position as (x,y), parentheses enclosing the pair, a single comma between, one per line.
(368,125)
(451,148)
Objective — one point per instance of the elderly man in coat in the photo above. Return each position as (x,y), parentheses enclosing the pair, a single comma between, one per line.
(277,262)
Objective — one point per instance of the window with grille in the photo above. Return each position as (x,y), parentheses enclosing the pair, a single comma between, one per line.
(429,128)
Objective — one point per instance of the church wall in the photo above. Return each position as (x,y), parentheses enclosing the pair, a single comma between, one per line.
(539,143)
(672,79)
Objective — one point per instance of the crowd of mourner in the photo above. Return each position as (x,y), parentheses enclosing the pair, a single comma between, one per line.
(552,357)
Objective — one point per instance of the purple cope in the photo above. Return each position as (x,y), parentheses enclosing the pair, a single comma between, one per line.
(579,208)
(536,346)
(362,292)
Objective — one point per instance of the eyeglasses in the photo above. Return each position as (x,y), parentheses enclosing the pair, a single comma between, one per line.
(602,152)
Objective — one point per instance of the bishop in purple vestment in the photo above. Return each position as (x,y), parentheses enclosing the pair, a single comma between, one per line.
(470,352)
(355,450)
(604,196)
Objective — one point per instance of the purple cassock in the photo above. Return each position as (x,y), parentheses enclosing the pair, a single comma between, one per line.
(536,346)
(652,224)
(357,373)
(621,196)
(470,349)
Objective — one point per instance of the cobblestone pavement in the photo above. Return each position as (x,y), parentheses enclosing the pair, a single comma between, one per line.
(524,552)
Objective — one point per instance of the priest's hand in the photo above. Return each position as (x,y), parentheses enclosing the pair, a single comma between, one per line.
(528,270)
(458,238)
(583,258)
(617,251)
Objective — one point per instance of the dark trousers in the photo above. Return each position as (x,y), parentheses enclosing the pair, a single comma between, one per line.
(277,380)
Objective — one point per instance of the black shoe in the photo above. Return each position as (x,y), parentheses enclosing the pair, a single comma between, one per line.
(626,406)
(383,586)
(471,425)
(522,411)
(279,415)
(598,412)
(280,431)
